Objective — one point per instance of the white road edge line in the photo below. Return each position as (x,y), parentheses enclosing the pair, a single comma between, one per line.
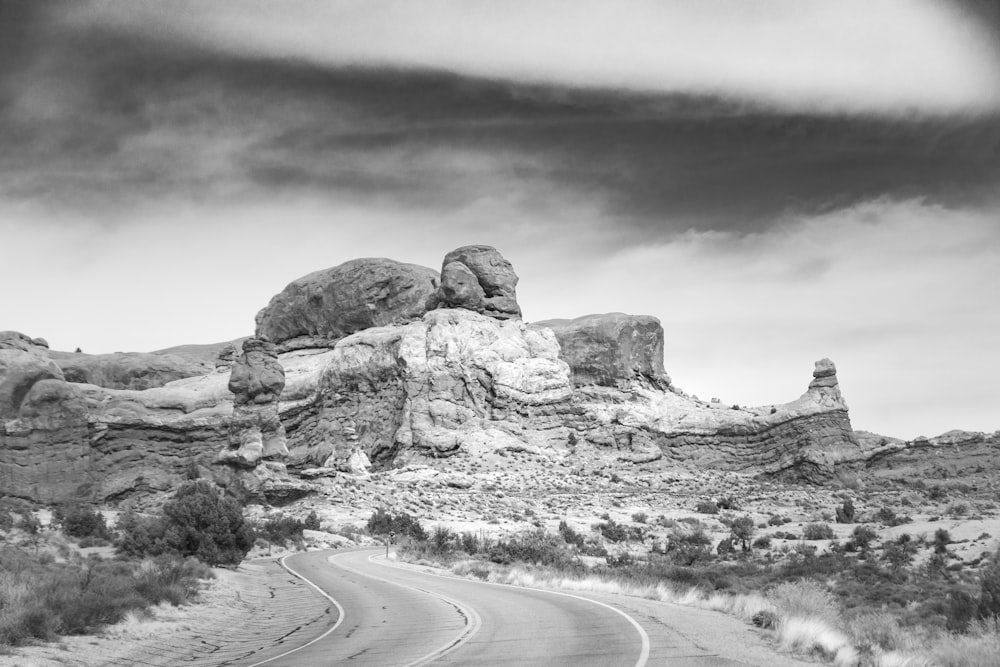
(473,622)
(340,610)
(643,654)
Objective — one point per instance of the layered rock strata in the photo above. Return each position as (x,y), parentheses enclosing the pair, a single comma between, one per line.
(806,438)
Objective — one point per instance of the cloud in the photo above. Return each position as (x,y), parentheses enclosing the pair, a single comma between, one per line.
(880,56)
(899,294)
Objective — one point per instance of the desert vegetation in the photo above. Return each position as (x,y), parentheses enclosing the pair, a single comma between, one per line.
(864,600)
(76,574)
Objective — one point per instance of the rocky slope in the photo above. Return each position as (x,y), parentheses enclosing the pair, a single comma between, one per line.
(385,365)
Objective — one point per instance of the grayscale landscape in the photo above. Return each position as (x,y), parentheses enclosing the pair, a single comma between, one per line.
(500,333)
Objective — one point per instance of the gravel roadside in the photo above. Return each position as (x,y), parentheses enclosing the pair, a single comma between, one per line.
(244,615)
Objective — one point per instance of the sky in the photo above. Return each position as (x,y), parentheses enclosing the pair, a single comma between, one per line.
(777,181)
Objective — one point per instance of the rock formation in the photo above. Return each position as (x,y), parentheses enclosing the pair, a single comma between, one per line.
(453,382)
(478,278)
(379,368)
(327,305)
(607,349)
(255,431)
(126,370)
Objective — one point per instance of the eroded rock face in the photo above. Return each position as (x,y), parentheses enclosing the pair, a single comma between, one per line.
(327,305)
(453,382)
(255,431)
(805,439)
(126,370)
(609,348)
(22,365)
(478,278)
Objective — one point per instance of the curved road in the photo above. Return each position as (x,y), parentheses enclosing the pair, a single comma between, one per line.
(391,615)
(396,616)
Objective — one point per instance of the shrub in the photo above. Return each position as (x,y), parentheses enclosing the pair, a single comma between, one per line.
(817,531)
(862,537)
(569,535)
(775,520)
(707,507)
(280,529)
(440,539)
(805,599)
(640,517)
(41,600)
(81,521)
(616,532)
(762,542)
(402,524)
(742,530)
(197,522)
(727,503)
(536,547)
(845,513)
(988,604)
(725,547)
(311,521)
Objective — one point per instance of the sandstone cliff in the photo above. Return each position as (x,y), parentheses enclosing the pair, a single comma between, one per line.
(384,365)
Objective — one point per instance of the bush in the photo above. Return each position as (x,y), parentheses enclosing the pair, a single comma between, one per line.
(402,524)
(762,542)
(805,599)
(40,601)
(640,517)
(817,531)
(862,537)
(81,521)
(845,513)
(725,547)
(197,522)
(707,507)
(616,532)
(569,535)
(727,503)
(536,547)
(280,529)
(742,530)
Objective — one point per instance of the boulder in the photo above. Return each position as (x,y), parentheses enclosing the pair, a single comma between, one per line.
(328,305)
(605,349)
(478,278)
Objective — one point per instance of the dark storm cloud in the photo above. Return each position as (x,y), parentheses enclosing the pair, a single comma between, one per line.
(94,117)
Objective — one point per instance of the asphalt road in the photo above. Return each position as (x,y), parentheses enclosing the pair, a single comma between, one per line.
(391,615)
(394,616)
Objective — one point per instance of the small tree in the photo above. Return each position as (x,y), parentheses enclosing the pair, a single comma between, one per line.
(198,521)
(845,513)
(204,524)
(862,537)
(742,531)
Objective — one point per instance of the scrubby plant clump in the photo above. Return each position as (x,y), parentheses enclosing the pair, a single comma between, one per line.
(80,521)
(817,531)
(197,522)
(400,525)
